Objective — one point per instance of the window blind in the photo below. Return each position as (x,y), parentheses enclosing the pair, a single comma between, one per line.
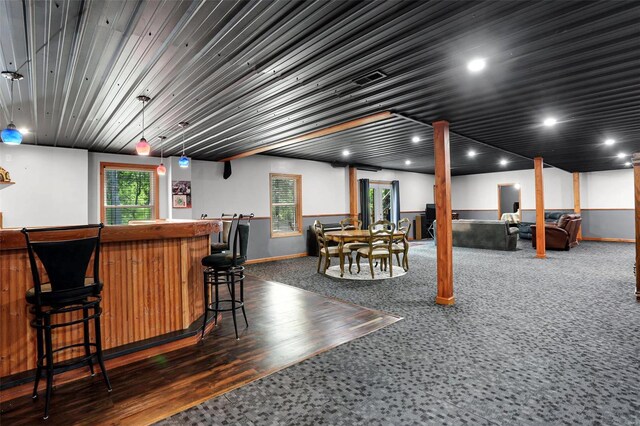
(128,195)
(284,204)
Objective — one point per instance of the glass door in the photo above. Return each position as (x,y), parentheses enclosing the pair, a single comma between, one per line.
(379,202)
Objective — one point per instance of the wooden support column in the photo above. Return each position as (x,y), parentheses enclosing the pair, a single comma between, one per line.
(576,198)
(540,231)
(353,192)
(443,213)
(636,184)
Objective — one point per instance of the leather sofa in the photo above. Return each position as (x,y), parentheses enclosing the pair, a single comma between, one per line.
(549,217)
(560,236)
(484,234)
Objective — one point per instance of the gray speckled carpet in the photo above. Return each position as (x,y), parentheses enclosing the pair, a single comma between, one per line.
(529,341)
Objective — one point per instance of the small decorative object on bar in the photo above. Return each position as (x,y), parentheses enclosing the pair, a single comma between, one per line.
(11,135)
(143,147)
(4,176)
(181,191)
(161,169)
(184,160)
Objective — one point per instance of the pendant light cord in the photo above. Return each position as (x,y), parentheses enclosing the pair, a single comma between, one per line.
(183,141)
(11,119)
(143,119)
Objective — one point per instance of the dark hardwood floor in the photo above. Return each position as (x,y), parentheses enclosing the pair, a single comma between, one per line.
(287,325)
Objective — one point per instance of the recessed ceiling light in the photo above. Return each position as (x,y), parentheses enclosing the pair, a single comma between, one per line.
(476,65)
(621,155)
(628,163)
(549,121)
(415,139)
(503,162)
(472,153)
(609,141)
(516,186)
(407,162)
(346,153)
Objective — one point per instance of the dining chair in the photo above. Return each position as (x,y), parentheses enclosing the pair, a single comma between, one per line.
(379,246)
(328,251)
(350,223)
(401,244)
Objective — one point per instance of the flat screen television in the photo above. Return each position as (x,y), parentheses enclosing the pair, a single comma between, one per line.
(430,212)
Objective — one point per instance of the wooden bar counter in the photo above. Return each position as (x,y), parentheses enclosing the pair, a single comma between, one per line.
(152,292)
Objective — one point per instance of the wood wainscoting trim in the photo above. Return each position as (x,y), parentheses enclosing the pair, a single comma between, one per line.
(609,240)
(325,215)
(274,258)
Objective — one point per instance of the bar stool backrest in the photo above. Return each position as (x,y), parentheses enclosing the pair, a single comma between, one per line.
(66,261)
(227,224)
(241,239)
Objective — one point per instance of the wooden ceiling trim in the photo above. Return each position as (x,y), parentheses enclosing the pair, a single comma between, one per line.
(316,134)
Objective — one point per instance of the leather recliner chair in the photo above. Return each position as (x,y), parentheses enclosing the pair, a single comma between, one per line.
(560,236)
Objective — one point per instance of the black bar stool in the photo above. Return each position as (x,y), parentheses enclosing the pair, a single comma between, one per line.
(224,234)
(65,259)
(226,269)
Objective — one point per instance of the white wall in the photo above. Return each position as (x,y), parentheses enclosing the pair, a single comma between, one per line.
(324,188)
(480,191)
(607,190)
(175,173)
(50,188)
(416,189)
(96,158)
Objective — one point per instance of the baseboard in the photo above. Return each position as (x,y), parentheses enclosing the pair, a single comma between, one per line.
(609,240)
(271,259)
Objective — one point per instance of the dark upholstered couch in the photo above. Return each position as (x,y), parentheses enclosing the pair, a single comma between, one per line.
(484,234)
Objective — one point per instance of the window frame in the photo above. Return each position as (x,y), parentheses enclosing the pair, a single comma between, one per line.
(298,179)
(133,168)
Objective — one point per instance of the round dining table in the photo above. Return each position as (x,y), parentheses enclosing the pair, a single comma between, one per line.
(353,235)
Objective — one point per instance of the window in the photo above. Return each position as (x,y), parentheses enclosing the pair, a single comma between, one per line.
(286,205)
(128,192)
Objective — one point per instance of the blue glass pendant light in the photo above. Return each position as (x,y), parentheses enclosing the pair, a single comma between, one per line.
(184,161)
(11,135)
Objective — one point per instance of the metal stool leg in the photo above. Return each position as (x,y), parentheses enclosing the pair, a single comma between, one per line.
(232,275)
(96,323)
(244,313)
(49,357)
(40,351)
(217,301)
(87,348)
(206,303)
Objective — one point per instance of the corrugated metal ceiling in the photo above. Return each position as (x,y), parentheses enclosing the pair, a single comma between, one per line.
(250,73)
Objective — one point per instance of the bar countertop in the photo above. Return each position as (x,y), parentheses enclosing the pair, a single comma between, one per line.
(12,238)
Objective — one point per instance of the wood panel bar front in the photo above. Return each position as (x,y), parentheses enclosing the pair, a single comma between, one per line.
(153,286)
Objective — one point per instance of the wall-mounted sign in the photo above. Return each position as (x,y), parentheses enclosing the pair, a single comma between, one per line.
(181,192)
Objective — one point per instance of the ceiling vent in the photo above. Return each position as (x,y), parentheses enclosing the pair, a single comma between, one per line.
(372,77)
